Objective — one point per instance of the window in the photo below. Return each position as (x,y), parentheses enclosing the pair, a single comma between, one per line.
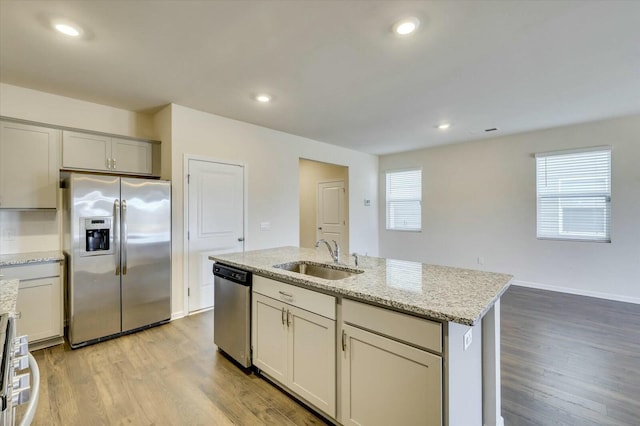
(404,200)
(574,195)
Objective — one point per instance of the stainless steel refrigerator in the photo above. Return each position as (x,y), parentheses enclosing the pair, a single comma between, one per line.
(118,247)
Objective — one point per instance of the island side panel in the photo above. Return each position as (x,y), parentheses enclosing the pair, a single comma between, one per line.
(463,376)
(492,405)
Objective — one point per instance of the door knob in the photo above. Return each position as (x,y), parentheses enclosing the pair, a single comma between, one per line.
(241,239)
(319,228)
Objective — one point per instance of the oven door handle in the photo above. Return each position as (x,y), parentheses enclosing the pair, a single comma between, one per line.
(30,412)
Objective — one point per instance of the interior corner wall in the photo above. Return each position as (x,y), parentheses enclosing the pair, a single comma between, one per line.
(271,160)
(162,131)
(479,200)
(311,173)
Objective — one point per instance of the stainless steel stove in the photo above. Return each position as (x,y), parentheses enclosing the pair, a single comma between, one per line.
(16,380)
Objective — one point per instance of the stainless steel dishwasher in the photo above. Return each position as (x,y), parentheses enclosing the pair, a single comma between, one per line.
(232,312)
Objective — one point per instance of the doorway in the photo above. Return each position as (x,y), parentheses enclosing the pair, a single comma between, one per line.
(215,223)
(324,203)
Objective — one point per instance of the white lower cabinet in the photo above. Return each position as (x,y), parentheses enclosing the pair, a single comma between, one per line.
(389,374)
(39,302)
(385,382)
(294,346)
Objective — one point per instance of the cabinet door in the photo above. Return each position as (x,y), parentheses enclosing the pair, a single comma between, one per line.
(28,166)
(85,151)
(385,382)
(40,305)
(131,156)
(269,336)
(312,358)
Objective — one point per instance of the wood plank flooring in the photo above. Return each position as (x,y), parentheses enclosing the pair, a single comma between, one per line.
(566,360)
(569,360)
(167,375)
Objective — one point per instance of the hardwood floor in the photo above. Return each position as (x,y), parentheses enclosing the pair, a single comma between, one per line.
(167,375)
(566,360)
(569,360)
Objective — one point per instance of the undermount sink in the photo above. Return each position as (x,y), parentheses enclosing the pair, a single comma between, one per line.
(320,270)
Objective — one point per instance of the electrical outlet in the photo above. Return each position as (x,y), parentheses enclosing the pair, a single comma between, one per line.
(480,260)
(468,338)
(367,203)
(265,226)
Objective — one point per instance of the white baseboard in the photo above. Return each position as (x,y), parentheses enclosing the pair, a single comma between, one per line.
(499,422)
(580,292)
(177,315)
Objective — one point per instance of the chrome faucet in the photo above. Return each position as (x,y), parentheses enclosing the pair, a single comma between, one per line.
(335,254)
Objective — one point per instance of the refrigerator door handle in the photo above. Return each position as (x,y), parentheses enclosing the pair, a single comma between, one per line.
(124,237)
(116,234)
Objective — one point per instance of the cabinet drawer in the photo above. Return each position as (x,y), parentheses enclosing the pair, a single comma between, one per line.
(31,271)
(309,300)
(416,331)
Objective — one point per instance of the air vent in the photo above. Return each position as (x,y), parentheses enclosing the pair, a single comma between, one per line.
(493,129)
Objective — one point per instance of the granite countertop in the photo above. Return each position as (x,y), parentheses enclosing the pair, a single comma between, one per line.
(440,292)
(8,296)
(31,257)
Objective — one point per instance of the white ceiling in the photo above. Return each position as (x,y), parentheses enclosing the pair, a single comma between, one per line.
(336,72)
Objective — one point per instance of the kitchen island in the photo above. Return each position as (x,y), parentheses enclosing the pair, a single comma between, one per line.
(440,310)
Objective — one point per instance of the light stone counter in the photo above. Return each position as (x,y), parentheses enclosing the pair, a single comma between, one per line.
(31,257)
(444,293)
(8,296)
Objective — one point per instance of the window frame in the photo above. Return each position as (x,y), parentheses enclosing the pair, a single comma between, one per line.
(577,236)
(386,192)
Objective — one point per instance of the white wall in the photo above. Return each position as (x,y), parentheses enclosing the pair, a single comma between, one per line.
(28,104)
(271,159)
(479,199)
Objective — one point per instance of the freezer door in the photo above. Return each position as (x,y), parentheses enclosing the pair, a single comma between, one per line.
(145,252)
(93,281)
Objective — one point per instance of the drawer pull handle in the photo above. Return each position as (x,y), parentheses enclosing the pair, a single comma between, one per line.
(285,294)
(288,318)
(344,341)
(283,316)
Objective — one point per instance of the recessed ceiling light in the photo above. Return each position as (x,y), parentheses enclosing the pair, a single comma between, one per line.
(263,98)
(67,29)
(444,126)
(406,26)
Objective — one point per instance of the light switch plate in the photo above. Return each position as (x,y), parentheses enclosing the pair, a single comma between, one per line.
(265,226)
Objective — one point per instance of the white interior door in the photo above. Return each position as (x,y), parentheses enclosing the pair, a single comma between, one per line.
(332,213)
(215,223)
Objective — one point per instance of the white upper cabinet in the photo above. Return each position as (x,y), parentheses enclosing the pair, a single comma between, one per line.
(29,166)
(87,151)
(131,156)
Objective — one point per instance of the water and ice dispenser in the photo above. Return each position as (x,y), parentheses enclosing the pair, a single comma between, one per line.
(97,232)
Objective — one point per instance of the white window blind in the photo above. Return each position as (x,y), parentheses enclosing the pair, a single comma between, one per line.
(574,195)
(404,200)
